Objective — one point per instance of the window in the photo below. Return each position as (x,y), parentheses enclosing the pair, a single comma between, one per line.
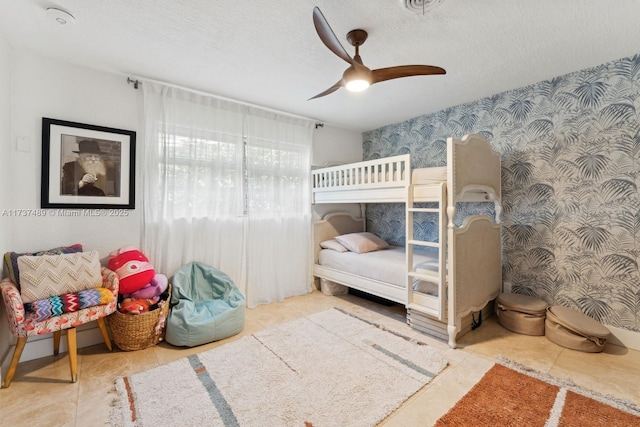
(215,171)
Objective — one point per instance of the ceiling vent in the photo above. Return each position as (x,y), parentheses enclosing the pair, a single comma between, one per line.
(420,6)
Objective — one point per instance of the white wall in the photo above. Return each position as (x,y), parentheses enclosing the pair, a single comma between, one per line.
(331,144)
(5,136)
(42,87)
(48,88)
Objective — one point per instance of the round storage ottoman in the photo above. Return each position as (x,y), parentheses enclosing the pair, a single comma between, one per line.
(572,329)
(521,313)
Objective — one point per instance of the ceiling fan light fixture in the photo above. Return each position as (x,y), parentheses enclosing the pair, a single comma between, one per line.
(357,85)
(357,79)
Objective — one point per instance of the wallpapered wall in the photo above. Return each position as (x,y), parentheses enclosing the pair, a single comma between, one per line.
(570,174)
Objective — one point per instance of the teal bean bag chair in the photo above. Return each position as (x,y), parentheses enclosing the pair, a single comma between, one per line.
(206,306)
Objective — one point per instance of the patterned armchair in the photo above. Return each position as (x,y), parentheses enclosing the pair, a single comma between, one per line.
(28,323)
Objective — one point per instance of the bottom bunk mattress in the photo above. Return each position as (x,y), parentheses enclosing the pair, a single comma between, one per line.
(386,265)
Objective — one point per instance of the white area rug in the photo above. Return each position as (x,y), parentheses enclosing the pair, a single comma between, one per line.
(326,369)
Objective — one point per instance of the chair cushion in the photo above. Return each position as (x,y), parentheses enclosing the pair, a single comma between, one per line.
(68,303)
(206,306)
(11,259)
(50,275)
(23,325)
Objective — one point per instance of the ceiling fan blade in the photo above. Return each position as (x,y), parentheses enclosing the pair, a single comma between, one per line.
(328,37)
(382,74)
(332,89)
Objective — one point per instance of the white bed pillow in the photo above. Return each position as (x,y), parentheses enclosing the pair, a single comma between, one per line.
(333,244)
(362,242)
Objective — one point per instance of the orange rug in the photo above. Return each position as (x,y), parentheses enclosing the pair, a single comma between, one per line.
(508,397)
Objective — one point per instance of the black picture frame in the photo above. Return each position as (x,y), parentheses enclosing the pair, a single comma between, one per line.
(86,166)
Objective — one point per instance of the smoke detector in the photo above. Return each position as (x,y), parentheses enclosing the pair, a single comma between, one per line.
(62,17)
(420,6)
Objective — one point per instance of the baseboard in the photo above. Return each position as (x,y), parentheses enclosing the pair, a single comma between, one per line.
(37,348)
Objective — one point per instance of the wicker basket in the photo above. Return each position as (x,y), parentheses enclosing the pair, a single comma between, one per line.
(138,331)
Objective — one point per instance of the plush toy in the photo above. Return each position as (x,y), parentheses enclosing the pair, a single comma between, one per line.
(129,306)
(132,267)
(157,286)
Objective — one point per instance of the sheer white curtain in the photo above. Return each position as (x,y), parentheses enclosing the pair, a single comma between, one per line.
(228,185)
(279,206)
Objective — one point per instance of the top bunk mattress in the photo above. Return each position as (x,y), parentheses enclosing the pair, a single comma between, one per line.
(387,265)
(429,175)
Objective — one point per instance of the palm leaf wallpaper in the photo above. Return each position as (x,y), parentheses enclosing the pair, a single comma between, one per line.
(570,151)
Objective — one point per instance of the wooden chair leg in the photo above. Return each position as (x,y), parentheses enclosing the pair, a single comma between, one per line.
(73,353)
(105,335)
(56,342)
(14,361)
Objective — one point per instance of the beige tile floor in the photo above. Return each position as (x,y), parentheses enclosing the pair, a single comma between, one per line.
(41,394)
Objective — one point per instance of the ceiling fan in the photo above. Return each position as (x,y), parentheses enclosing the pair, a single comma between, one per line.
(358,77)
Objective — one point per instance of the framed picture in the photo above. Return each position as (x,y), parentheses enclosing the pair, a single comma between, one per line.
(86,166)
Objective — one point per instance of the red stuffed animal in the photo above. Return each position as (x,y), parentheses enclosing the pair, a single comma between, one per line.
(129,306)
(132,267)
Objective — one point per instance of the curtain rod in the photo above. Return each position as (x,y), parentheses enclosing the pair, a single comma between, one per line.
(136,83)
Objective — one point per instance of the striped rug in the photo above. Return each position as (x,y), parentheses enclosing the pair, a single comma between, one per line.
(522,397)
(326,369)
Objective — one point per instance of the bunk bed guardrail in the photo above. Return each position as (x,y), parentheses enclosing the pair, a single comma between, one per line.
(335,184)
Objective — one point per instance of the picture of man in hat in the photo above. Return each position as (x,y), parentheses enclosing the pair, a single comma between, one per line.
(87,175)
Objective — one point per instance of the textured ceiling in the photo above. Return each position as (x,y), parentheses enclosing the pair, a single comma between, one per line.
(266,53)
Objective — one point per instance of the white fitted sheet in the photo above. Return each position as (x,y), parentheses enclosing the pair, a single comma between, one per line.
(387,265)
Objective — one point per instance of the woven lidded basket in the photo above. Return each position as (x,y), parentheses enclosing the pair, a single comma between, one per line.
(137,331)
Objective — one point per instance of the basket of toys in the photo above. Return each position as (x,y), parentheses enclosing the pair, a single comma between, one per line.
(143,301)
(145,329)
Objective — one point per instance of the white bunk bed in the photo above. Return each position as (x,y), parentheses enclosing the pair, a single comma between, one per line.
(467,273)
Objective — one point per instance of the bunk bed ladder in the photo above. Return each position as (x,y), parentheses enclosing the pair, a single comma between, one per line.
(422,303)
